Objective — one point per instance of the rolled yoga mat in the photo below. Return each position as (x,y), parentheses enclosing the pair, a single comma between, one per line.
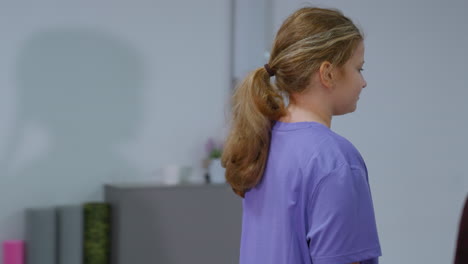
(41,236)
(13,252)
(97,228)
(70,234)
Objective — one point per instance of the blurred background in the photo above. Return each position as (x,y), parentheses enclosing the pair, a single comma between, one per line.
(93,93)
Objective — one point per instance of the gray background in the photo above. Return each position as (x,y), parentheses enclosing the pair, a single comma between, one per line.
(108,91)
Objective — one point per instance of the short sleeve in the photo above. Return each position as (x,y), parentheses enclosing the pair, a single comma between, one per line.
(340,220)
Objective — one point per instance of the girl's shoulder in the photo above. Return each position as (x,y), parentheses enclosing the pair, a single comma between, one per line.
(334,151)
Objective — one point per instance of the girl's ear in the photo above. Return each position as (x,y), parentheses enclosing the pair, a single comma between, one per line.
(327,74)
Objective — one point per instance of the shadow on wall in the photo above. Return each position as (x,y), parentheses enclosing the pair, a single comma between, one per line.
(79,97)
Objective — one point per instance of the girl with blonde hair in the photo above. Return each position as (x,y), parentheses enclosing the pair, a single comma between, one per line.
(305,188)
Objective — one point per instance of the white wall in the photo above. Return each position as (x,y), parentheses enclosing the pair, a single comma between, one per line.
(252,33)
(93,92)
(411,123)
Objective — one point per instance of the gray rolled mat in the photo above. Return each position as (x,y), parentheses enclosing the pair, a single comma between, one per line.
(70,234)
(41,236)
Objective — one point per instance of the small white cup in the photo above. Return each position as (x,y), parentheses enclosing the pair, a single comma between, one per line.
(175,174)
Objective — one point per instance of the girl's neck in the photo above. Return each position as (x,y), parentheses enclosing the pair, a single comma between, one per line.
(296,113)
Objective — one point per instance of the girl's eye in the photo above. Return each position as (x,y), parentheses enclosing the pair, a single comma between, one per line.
(361,69)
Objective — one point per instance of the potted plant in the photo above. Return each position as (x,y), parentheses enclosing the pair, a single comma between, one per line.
(215,172)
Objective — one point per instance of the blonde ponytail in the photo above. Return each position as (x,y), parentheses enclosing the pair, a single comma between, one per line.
(256,103)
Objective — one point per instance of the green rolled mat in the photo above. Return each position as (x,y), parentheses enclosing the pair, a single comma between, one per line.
(97,230)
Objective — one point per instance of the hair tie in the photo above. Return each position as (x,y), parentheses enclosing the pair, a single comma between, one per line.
(270,71)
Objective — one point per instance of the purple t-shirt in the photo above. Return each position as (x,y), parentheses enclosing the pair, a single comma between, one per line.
(313,204)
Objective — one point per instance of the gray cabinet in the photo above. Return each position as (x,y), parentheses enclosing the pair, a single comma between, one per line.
(174,225)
